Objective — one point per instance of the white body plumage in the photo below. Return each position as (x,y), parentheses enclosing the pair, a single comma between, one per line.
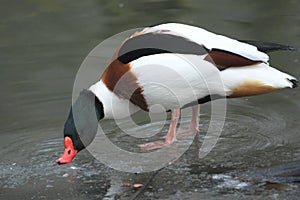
(174,80)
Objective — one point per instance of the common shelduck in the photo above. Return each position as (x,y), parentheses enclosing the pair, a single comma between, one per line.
(130,78)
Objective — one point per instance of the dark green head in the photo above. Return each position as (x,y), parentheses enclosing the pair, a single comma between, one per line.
(81,125)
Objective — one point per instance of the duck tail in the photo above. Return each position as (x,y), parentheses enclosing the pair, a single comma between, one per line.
(295,82)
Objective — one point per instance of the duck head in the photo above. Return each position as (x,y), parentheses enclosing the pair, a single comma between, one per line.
(81,125)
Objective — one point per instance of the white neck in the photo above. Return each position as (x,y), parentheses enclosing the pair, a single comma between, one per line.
(114,107)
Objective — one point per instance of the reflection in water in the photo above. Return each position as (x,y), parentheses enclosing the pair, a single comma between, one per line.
(237,148)
(42,46)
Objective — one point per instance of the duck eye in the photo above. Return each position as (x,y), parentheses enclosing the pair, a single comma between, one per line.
(69,152)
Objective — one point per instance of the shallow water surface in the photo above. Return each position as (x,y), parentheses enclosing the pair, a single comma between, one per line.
(42,46)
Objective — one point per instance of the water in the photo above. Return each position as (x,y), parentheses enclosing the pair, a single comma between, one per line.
(42,46)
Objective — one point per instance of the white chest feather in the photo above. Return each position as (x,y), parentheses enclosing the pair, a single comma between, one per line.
(114,107)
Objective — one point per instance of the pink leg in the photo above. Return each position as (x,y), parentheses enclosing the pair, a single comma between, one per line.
(170,137)
(194,125)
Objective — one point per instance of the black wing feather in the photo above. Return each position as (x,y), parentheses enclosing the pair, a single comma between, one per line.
(269,46)
(156,43)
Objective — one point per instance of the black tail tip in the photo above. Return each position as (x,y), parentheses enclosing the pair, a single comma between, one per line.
(295,82)
(285,47)
(291,48)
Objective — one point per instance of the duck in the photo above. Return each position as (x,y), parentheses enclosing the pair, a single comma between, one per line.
(160,65)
